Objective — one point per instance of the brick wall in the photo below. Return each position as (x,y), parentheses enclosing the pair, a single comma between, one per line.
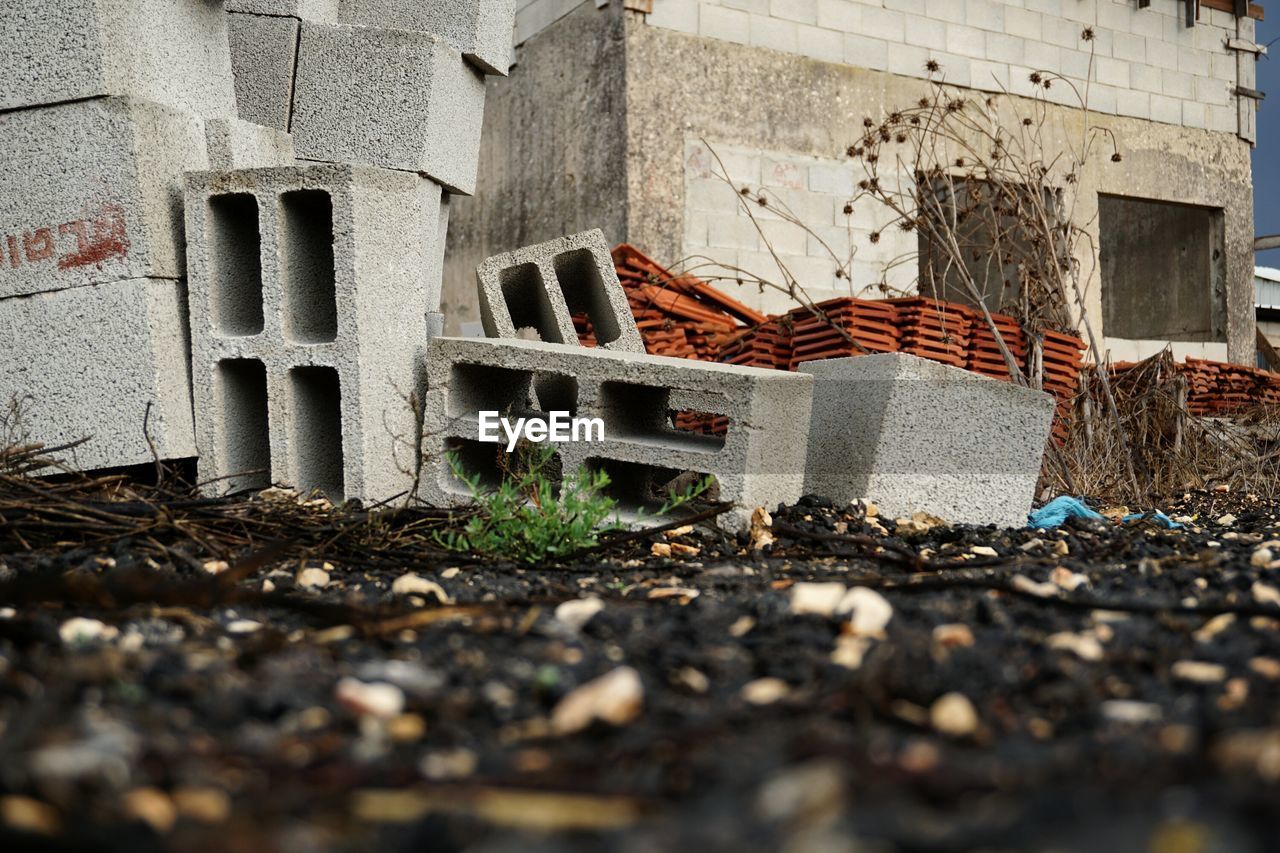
(1146,62)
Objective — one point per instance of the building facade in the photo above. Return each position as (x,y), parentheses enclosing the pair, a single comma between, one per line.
(628,115)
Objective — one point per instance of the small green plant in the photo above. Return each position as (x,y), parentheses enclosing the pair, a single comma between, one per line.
(523,519)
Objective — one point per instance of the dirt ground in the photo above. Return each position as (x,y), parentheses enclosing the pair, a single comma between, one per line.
(1101,686)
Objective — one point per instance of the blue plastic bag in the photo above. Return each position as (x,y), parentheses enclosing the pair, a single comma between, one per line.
(1058,510)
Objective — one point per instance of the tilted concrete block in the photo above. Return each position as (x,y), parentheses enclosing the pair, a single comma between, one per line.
(169,51)
(759,461)
(307,10)
(91,191)
(543,286)
(264,53)
(85,363)
(236,144)
(913,435)
(389,98)
(481,29)
(308,301)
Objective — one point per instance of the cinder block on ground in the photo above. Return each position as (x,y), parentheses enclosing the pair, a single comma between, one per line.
(168,51)
(308,298)
(264,53)
(236,144)
(543,286)
(390,98)
(759,461)
(91,191)
(307,10)
(481,29)
(913,435)
(85,363)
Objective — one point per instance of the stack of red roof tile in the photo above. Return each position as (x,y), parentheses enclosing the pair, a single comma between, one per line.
(846,327)
(932,329)
(765,345)
(1218,388)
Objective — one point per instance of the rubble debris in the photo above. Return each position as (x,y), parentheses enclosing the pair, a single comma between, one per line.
(616,698)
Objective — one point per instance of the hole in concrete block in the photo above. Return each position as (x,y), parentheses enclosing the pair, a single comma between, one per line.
(525,293)
(702,423)
(235,258)
(584,293)
(245,439)
(556,392)
(644,488)
(475,388)
(315,439)
(491,462)
(1163,270)
(643,414)
(307,267)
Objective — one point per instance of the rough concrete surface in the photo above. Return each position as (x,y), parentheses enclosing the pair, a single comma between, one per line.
(91,191)
(84,363)
(264,52)
(236,144)
(307,10)
(481,29)
(389,98)
(552,164)
(169,51)
(543,286)
(309,288)
(913,435)
(758,462)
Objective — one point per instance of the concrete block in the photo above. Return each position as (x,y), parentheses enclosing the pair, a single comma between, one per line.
(91,191)
(481,29)
(236,144)
(85,363)
(759,461)
(307,10)
(169,51)
(913,435)
(389,98)
(309,289)
(264,52)
(544,285)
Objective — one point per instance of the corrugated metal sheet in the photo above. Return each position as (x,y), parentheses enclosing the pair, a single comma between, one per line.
(1266,288)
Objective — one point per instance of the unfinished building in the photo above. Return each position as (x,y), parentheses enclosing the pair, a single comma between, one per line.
(628,115)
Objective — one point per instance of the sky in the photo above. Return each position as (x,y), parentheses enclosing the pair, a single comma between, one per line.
(1266,156)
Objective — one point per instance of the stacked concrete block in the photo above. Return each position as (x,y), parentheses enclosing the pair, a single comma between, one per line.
(90,191)
(390,98)
(759,461)
(541,287)
(236,144)
(913,435)
(308,302)
(311,10)
(106,363)
(171,52)
(264,53)
(481,29)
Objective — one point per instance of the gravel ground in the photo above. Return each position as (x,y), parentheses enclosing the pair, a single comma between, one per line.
(860,684)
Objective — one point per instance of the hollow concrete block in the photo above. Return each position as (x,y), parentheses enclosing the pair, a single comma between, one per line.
(264,53)
(759,461)
(308,307)
(236,144)
(913,435)
(85,363)
(481,29)
(389,98)
(172,52)
(308,10)
(543,285)
(91,191)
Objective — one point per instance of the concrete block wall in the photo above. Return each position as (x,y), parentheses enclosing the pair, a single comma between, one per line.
(541,287)
(310,288)
(720,235)
(758,462)
(1145,63)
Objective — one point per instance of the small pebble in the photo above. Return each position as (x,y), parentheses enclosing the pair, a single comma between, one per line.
(313,578)
(81,630)
(617,698)
(954,715)
(575,614)
(1129,711)
(765,691)
(412,584)
(955,635)
(379,699)
(1198,671)
(151,806)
